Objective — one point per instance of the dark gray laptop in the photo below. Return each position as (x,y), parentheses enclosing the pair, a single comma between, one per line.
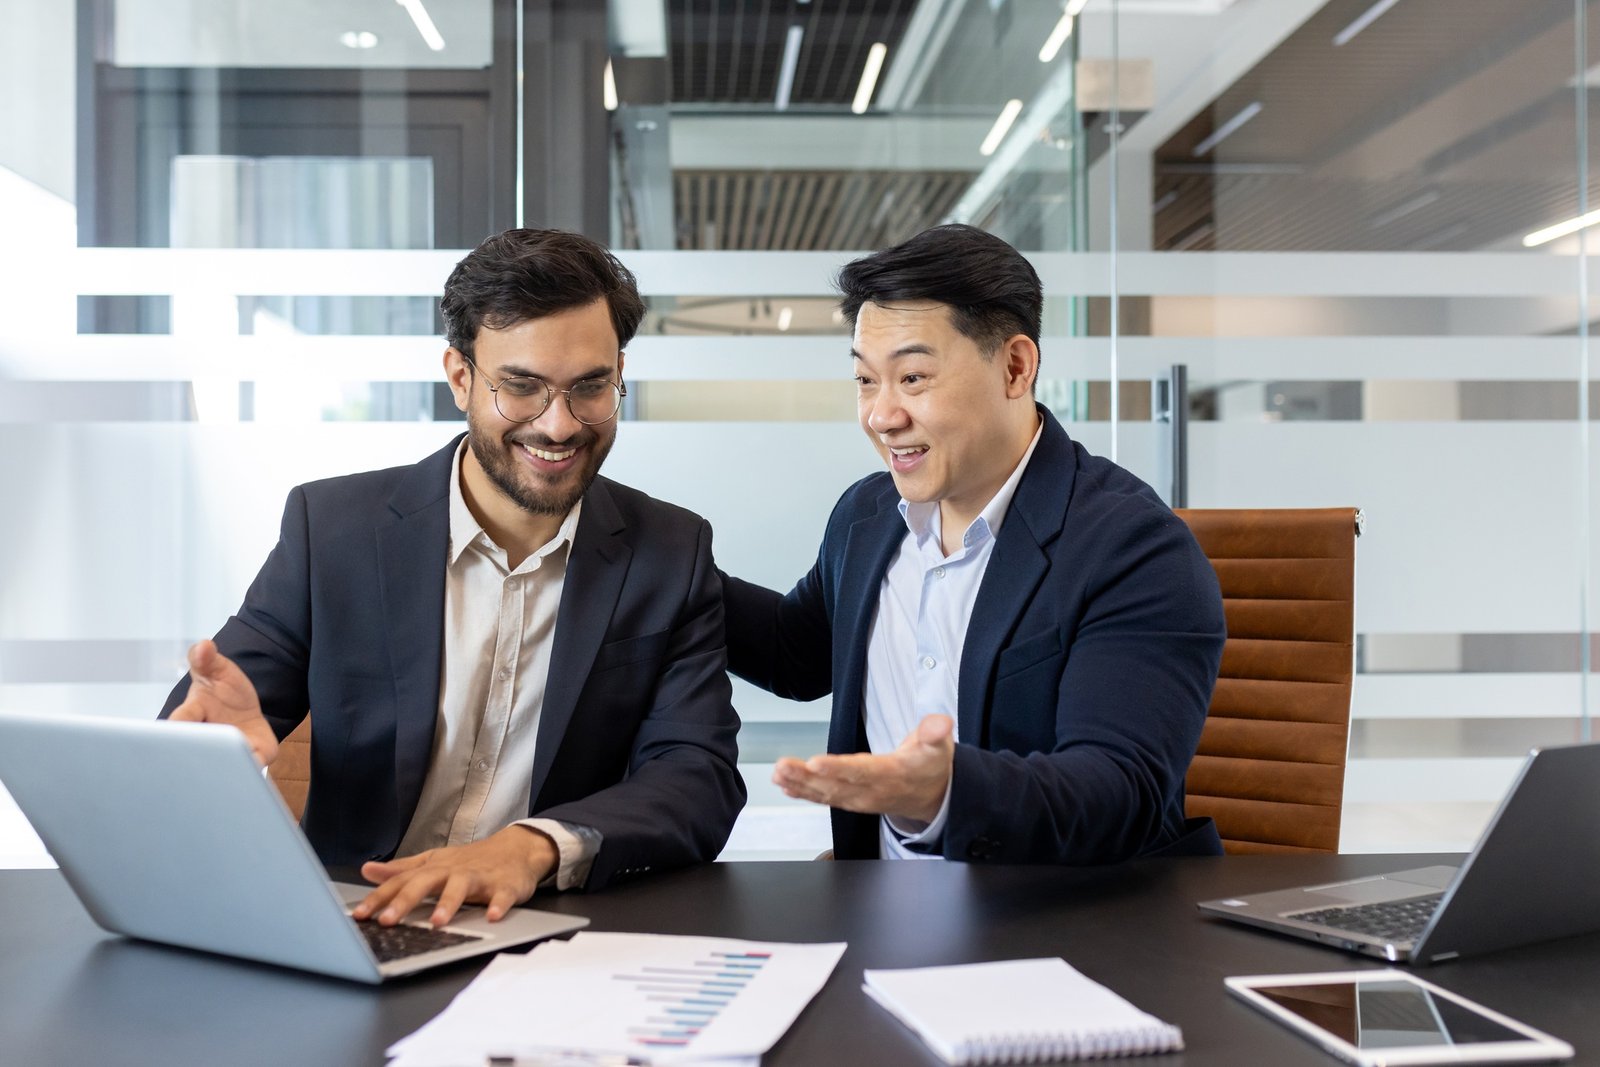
(1533,876)
(170,832)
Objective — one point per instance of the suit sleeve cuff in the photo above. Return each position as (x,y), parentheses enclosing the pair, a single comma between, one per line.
(576,848)
(919,838)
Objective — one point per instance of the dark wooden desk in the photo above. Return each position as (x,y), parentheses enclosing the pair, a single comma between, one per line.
(70,995)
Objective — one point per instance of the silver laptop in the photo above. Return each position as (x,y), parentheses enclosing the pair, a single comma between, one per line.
(170,832)
(1534,875)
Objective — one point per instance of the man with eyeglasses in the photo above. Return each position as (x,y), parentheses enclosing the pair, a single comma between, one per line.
(1020,638)
(514,668)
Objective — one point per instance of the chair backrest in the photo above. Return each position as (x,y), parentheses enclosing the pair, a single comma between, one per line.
(291,771)
(1270,767)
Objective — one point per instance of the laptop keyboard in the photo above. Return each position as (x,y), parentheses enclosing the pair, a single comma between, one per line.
(402,940)
(1392,920)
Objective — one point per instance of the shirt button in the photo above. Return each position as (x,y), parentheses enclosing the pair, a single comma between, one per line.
(505,672)
(483,765)
(938,572)
(929,663)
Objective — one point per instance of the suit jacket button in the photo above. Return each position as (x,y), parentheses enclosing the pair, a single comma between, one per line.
(981,848)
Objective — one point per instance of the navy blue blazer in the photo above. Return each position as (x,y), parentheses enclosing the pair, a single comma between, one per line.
(1089,662)
(637,733)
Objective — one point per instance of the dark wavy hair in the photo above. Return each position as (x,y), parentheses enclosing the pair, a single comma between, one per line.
(526,274)
(992,291)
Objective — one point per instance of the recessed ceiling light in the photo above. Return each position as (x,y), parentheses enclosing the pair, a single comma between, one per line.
(424,23)
(869,77)
(1002,124)
(1229,128)
(1561,229)
(1362,21)
(786,66)
(361,39)
(1057,38)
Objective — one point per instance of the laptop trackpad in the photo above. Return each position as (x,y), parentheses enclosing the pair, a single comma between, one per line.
(1385,887)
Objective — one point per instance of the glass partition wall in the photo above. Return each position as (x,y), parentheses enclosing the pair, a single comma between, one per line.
(230,223)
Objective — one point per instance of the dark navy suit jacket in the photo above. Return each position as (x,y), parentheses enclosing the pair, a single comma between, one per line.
(1088,666)
(637,734)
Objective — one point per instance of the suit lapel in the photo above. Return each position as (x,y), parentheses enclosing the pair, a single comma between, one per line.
(412,551)
(868,549)
(597,566)
(1018,565)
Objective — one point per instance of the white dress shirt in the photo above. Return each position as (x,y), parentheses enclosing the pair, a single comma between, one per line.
(918,633)
(499,626)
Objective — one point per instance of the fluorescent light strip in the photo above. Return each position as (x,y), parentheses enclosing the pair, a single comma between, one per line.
(997,132)
(869,77)
(608,88)
(1057,38)
(1228,129)
(424,23)
(1404,208)
(1075,7)
(1560,229)
(791,60)
(1363,20)
(785,317)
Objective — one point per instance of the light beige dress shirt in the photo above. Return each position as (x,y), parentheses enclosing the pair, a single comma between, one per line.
(499,627)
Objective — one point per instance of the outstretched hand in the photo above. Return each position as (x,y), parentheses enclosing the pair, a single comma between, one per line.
(220,692)
(908,783)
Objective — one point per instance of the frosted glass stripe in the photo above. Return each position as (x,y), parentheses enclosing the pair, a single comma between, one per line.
(145,357)
(1313,273)
(1472,527)
(290,271)
(1466,696)
(1420,781)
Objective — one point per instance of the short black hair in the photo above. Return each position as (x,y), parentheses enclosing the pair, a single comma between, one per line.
(526,274)
(992,291)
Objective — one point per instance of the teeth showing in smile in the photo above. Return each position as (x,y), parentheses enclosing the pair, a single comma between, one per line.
(550,457)
(917,451)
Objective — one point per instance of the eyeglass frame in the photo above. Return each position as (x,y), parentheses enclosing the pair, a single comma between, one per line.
(550,391)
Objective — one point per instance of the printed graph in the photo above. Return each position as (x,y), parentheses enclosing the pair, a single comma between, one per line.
(685,1000)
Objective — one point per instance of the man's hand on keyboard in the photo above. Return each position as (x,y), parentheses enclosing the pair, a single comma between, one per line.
(500,871)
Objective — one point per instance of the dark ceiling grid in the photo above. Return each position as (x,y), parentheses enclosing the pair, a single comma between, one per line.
(717,58)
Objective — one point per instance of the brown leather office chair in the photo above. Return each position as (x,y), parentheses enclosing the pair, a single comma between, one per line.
(1270,768)
(291,771)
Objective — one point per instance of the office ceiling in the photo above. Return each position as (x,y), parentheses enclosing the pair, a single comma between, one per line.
(731,51)
(1445,125)
(810,210)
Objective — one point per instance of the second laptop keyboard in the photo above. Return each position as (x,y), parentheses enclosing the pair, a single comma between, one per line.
(1392,920)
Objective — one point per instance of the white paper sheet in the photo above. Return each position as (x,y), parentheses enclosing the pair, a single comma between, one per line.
(643,998)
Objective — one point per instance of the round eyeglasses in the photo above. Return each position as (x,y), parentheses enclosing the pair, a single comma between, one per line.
(523,399)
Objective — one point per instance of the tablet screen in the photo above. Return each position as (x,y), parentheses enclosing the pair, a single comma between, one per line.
(1387,1014)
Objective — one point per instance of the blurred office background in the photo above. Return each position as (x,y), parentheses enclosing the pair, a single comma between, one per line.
(226,225)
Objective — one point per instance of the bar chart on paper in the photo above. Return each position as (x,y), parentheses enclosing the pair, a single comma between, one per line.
(636,998)
(690,998)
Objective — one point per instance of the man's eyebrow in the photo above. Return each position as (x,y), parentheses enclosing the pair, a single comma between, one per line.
(511,370)
(915,348)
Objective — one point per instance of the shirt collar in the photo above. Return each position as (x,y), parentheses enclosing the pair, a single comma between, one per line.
(922,519)
(465,529)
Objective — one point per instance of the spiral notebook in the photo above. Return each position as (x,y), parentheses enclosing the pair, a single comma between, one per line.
(1017,1011)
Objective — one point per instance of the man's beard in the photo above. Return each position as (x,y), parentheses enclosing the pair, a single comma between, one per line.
(513,477)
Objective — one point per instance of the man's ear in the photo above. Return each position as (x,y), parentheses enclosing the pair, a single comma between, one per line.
(1020,358)
(458,375)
